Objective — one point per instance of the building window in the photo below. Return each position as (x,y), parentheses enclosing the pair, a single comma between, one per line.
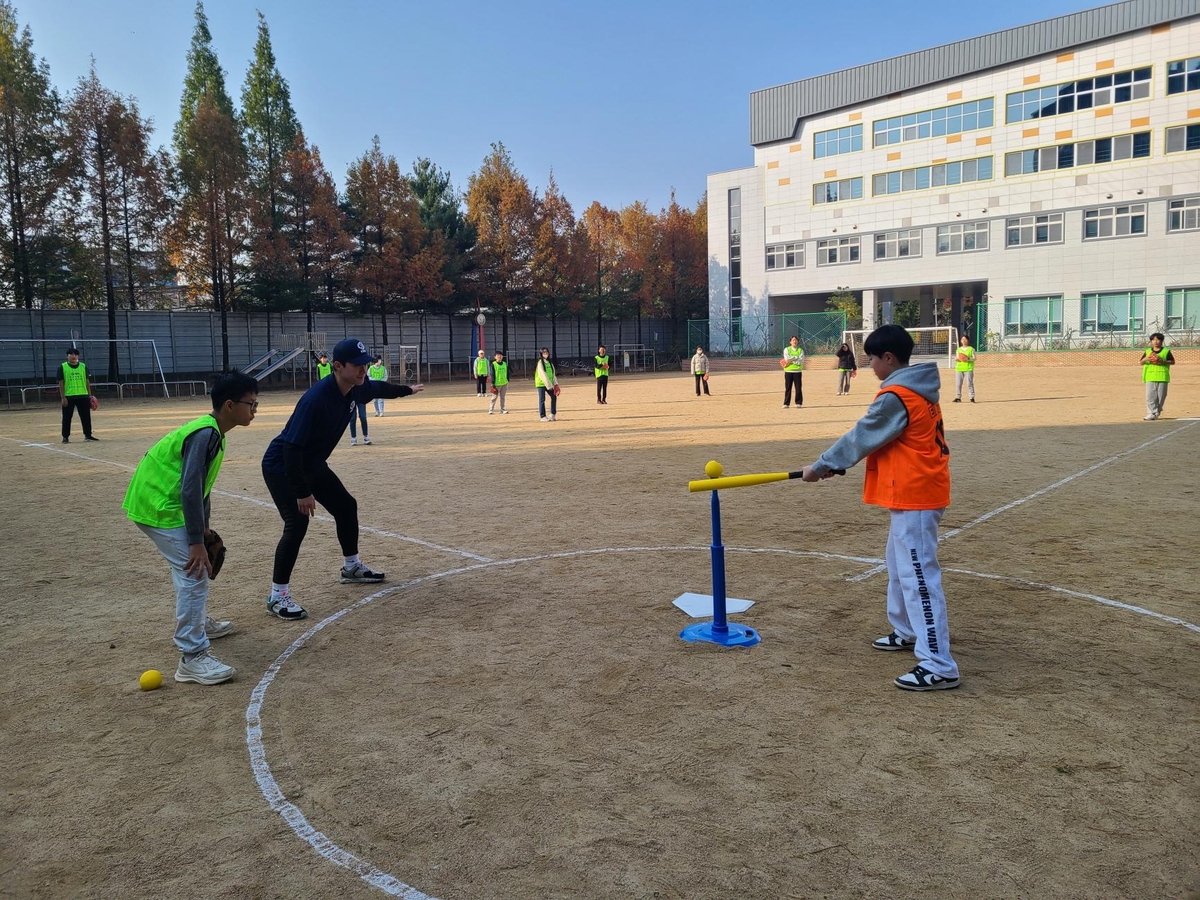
(1184,214)
(837,141)
(1027,230)
(926,177)
(1081,153)
(785,256)
(1183,75)
(837,251)
(1032,315)
(1182,138)
(1113,311)
(1114,221)
(1058,99)
(1183,308)
(838,191)
(735,264)
(962,238)
(898,244)
(934,122)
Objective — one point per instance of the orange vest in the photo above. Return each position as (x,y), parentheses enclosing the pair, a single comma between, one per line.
(913,471)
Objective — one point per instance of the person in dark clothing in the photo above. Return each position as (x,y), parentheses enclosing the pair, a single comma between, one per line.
(847,368)
(298,476)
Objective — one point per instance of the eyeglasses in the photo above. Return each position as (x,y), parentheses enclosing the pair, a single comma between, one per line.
(253,404)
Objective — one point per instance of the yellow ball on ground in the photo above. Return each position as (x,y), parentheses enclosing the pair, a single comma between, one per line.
(713,469)
(151,679)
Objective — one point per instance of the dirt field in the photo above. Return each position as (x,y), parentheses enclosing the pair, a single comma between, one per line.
(514,715)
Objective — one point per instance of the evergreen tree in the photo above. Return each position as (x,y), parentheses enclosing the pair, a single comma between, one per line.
(204,77)
(29,109)
(442,215)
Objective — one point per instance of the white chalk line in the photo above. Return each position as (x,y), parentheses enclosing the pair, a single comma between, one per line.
(1015,503)
(268,504)
(367,871)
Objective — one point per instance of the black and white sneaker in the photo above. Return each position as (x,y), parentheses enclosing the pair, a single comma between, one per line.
(893,641)
(921,679)
(284,607)
(360,574)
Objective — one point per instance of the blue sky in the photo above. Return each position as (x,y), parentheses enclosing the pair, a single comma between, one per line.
(623,100)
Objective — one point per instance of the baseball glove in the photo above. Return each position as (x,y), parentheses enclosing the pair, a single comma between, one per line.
(557,390)
(216,551)
(495,390)
(94,403)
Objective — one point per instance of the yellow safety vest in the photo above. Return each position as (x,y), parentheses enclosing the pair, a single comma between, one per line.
(499,374)
(969,364)
(1154,371)
(538,380)
(74,379)
(324,369)
(481,366)
(155,493)
(601,361)
(795,357)
(377,373)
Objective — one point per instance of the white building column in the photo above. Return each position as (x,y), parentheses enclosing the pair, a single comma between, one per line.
(868,308)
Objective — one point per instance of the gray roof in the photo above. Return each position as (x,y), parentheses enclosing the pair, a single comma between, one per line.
(775,111)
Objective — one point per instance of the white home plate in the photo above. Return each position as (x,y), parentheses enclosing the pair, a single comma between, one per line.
(700,606)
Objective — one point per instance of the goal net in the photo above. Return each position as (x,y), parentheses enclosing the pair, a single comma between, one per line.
(929,344)
(631,358)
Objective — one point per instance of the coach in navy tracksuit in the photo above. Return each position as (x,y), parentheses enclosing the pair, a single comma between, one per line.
(299,477)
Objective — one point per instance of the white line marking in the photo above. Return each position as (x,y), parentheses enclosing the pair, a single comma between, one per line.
(1003,509)
(268,504)
(393,886)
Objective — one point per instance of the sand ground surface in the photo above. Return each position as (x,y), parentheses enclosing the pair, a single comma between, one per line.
(513,714)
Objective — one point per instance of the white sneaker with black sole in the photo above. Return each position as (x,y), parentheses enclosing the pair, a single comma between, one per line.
(284,607)
(360,574)
(204,669)
(921,679)
(893,641)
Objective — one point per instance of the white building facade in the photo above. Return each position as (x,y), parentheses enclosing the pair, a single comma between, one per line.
(1030,185)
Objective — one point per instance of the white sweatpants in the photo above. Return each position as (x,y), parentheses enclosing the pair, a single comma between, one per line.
(959,378)
(916,606)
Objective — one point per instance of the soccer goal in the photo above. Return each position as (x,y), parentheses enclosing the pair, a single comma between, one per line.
(930,344)
(632,358)
(403,363)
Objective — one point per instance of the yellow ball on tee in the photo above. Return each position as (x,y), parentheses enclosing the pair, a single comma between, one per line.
(713,469)
(151,679)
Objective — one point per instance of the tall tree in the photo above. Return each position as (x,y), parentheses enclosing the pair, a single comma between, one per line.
(144,180)
(204,77)
(29,108)
(95,119)
(501,206)
(603,227)
(311,223)
(271,129)
(680,286)
(210,228)
(639,251)
(555,264)
(209,234)
(386,222)
(442,215)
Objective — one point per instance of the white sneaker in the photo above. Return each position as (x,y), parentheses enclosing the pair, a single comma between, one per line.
(504,412)
(1149,418)
(491,412)
(366,440)
(360,573)
(284,607)
(353,442)
(553,418)
(204,669)
(215,628)
(545,418)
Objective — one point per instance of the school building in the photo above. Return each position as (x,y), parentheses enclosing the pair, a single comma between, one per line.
(1040,182)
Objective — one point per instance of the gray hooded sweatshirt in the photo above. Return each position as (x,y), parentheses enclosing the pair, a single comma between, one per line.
(884,421)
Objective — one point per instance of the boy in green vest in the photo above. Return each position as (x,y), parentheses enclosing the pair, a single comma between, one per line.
(324,367)
(75,388)
(499,380)
(168,498)
(479,368)
(601,370)
(964,369)
(377,371)
(1156,365)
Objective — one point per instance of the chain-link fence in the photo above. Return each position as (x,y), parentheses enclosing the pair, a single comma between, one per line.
(819,333)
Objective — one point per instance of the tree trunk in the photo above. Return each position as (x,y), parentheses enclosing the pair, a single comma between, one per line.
(110,293)
(128,241)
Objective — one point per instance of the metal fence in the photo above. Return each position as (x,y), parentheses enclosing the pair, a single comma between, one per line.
(819,332)
(189,344)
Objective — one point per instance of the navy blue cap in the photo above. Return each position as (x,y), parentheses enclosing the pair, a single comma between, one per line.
(353,352)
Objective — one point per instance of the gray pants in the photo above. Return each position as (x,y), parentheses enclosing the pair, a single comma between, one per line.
(1156,396)
(958,383)
(501,395)
(191,593)
(916,605)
